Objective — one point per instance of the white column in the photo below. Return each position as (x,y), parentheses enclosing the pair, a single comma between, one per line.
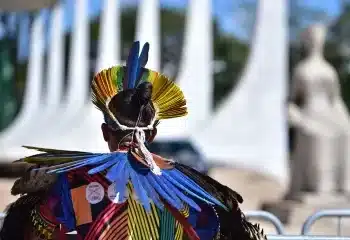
(78,78)
(109,42)
(147,30)
(195,75)
(249,128)
(32,93)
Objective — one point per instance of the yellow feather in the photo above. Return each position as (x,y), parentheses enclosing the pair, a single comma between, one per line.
(167,98)
(104,86)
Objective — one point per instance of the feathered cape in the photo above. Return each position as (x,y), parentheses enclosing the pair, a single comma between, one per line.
(177,188)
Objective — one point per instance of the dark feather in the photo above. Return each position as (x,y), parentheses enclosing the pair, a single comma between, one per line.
(34,181)
(212,186)
(14,170)
(233,224)
(18,217)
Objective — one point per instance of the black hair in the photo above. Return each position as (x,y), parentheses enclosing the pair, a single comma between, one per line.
(133,106)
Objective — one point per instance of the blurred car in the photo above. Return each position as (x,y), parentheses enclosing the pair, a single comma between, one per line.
(182,151)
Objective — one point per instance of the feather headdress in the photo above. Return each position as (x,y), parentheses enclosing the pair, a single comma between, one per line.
(167,97)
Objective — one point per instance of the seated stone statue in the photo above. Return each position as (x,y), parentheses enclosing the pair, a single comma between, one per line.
(317,112)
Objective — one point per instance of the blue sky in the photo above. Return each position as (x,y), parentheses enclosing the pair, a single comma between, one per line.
(230,18)
(224,10)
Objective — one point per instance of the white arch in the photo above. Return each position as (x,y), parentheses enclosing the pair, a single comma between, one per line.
(109,44)
(195,75)
(74,100)
(32,95)
(78,84)
(52,94)
(55,76)
(83,132)
(88,135)
(49,113)
(249,129)
(67,117)
(147,30)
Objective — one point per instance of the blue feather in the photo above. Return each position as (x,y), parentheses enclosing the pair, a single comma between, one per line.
(97,159)
(132,65)
(120,187)
(67,168)
(142,61)
(143,56)
(152,194)
(62,189)
(163,193)
(140,191)
(53,169)
(71,155)
(189,189)
(169,190)
(182,196)
(189,183)
(104,166)
(126,177)
(113,173)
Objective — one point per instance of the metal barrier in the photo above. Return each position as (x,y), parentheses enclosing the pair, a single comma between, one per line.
(266,216)
(269,217)
(338,213)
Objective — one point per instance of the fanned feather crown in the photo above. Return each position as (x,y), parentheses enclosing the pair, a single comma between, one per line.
(167,97)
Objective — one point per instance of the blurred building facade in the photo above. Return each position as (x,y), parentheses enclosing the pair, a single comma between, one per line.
(241,124)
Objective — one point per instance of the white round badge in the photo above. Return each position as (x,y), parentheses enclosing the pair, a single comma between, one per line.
(94,192)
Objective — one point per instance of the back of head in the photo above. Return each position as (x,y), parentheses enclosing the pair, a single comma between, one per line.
(133,107)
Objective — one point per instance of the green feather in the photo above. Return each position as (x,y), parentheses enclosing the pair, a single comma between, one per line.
(145,76)
(120,77)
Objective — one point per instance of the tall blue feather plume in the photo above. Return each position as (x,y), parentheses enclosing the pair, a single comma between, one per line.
(132,66)
(142,61)
(143,56)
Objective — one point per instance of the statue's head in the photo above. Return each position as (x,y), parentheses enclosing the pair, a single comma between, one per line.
(314,37)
